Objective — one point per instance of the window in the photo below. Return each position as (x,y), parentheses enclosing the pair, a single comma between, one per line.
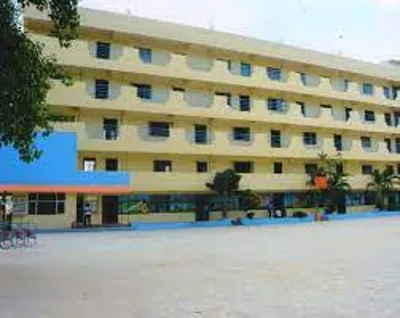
(241,133)
(146,55)
(310,138)
(245,69)
(338,142)
(276,139)
(200,134)
(111,164)
(101,89)
(398,168)
(390,168)
(201,166)
(243,166)
(348,111)
(162,165)
(227,95)
(369,116)
(368,89)
(46,203)
(278,167)
(277,104)
(366,169)
(310,168)
(303,78)
(144,91)
(388,143)
(274,73)
(366,142)
(89,164)
(103,50)
(386,92)
(346,83)
(159,129)
(388,119)
(244,103)
(178,89)
(397,145)
(396,119)
(110,129)
(302,108)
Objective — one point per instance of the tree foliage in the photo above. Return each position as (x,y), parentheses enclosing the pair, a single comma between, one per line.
(225,182)
(26,73)
(382,183)
(251,199)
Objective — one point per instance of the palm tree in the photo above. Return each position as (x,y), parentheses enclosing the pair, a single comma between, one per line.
(338,184)
(382,183)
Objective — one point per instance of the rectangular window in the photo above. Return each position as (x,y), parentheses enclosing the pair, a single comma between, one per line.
(278,167)
(396,119)
(202,166)
(144,91)
(200,134)
(366,169)
(398,168)
(274,73)
(303,78)
(111,164)
(302,108)
(366,142)
(388,119)
(276,139)
(243,166)
(103,50)
(158,129)
(146,55)
(276,104)
(390,168)
(386,92)
(89,164)
(178,89)
(227,95)
(46,203)
(162,166)
(310,168)
(369,116)
(388,143)
(368,89)
(244,103)
(346,83)
(110,129)
(101,89)
(241,133)
(348,111)
(310,138)
(245,69)
(338,142)
(397,145)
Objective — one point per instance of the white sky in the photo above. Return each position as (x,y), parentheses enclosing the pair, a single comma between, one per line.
(364,29)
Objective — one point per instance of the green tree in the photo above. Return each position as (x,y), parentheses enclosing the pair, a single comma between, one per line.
(251,199)
(382,183)
(26,73)
(225,183)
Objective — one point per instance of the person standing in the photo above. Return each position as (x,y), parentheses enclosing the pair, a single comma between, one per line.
(87,214)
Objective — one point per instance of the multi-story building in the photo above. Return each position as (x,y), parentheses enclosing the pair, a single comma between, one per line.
(172,105)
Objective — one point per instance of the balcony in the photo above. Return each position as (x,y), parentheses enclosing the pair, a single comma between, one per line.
(126,60)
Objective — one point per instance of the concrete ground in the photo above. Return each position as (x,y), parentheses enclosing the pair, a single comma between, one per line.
(335,269)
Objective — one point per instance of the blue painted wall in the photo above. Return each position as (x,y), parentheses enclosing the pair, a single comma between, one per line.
(56,166)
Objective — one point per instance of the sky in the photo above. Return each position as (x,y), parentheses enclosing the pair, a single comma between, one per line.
(362,29)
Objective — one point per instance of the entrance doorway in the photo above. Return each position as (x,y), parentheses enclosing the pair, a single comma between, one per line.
(109,204)
(79,210)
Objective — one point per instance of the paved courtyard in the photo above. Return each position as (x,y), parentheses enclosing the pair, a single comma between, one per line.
(336,269)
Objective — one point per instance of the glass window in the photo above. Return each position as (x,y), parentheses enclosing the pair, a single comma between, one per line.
(244,103)
(366,169)
(388,119)
(46,203)
(200,134)
(346,83)
(241,133)
(278,167)
(276,104)
(366,142)
(245,69)
(243,166)
(388,143)
(276,139)
(103,50)
(101,89)
(144,91)
(162,165)
(274,73)
(369,116)
(111,164)
(146,55)
(348,111)
(302,108)
(310,168)
(303,78)
(386,92)
(338,142)
(89,164)
(368,89)
(110,129)
(202,166)
(397,145)
(310,138)
(159,129)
